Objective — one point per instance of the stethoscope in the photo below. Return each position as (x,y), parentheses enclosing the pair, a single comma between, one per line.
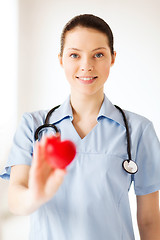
(128,165)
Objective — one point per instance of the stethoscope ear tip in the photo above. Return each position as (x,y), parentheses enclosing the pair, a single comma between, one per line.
(130,166)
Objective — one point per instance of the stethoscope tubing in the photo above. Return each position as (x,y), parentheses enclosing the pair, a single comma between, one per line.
(128,165)
(127,132)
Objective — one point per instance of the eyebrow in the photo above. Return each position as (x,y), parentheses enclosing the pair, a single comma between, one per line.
(76,49)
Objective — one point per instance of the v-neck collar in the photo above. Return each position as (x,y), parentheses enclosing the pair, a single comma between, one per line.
(108,110)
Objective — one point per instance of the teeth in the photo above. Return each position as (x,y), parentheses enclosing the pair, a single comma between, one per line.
(86,78)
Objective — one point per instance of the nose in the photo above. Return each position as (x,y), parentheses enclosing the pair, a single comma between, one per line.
(89,69)
(86,65)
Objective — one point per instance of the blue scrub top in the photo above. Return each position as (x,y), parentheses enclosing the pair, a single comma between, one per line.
(92,202)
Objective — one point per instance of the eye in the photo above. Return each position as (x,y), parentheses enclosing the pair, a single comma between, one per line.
(99,55)
(74,55)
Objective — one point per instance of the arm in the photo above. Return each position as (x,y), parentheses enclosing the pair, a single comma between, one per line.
(148,216)
(30,187)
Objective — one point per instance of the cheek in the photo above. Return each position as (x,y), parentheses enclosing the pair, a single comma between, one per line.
(70,70)
(67,68)
(104,69)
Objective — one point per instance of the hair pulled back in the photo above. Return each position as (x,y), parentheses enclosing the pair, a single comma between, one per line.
(88,21)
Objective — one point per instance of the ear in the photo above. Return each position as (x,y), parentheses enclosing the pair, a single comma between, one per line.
(60,60)
(113,58)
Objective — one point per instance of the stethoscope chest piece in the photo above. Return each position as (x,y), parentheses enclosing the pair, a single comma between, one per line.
(130,166)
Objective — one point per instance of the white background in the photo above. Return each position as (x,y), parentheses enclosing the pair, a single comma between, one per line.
(31,78)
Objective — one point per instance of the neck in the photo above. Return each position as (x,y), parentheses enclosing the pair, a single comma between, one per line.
(86,106)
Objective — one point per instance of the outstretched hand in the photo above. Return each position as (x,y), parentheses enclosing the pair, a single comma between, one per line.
(44,180)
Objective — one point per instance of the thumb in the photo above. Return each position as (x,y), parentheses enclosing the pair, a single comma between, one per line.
(54,181)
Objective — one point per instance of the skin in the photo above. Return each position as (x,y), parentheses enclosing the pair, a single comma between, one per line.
(30,187)
(148,216)
(86,58)
(91,58)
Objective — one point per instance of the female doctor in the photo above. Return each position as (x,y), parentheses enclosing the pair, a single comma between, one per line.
(88,200)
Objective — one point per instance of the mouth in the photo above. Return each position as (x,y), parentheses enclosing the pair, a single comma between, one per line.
(86,79)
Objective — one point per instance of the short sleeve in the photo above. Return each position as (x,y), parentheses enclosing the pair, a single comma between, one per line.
(22,148)
(147,179)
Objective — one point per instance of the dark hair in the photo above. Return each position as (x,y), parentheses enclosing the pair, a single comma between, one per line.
(88,21)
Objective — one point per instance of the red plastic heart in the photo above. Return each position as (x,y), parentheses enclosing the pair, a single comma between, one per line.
(58,153)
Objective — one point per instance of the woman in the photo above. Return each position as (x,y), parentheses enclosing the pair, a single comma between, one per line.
(89,200)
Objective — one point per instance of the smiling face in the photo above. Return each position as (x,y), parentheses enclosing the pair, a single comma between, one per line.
(86,60)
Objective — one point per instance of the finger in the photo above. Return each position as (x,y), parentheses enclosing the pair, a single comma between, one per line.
(41,151)
(58,135)
(54,181)
(43,140)
(35,153)
(39,155)
(41,158)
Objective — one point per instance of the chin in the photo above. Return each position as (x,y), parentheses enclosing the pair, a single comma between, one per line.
(89,92)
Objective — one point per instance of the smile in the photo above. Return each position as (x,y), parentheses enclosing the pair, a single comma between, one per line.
(88,78)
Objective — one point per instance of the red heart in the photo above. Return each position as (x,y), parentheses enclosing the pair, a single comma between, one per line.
(59,153)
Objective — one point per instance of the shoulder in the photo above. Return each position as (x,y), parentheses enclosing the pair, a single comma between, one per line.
(27,126)
(137,121)
(34,118)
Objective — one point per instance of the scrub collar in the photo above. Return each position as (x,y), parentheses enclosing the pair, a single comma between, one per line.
(108,110)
